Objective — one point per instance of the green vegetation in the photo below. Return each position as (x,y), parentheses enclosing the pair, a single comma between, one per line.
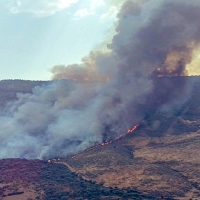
(52,181)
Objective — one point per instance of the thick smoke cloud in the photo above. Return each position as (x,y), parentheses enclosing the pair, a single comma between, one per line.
(111,91)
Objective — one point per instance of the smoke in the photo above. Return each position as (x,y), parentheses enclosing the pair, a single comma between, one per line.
(109,92)
(86,71)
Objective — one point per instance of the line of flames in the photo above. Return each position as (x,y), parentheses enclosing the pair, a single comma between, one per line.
(106,143)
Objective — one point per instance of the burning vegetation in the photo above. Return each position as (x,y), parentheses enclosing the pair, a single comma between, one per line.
(133,129)
(111,90)
(110,142)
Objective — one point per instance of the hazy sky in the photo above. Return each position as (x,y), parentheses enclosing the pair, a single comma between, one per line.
(38,34)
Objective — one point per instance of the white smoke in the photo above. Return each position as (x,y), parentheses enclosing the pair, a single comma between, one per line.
(66,117)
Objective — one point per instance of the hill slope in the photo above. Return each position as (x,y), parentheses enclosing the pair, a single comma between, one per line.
(161,165)
(34,179)
(161,158)
(9,89)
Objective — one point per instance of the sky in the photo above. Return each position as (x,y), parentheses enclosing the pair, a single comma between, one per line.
(37,35)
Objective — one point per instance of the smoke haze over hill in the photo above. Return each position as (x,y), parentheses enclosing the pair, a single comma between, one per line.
(110,91)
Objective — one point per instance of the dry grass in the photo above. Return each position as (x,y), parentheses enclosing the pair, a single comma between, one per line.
(167,165)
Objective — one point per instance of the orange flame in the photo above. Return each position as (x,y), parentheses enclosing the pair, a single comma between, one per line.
(106,143)
(133,129)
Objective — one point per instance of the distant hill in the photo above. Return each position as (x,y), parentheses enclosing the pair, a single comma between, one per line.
(9,88)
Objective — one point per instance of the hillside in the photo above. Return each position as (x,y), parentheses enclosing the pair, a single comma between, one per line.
(22,179)
(159,159)
(162,166)
(9,89)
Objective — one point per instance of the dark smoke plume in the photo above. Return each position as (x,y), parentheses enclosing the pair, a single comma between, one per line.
(111,91)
